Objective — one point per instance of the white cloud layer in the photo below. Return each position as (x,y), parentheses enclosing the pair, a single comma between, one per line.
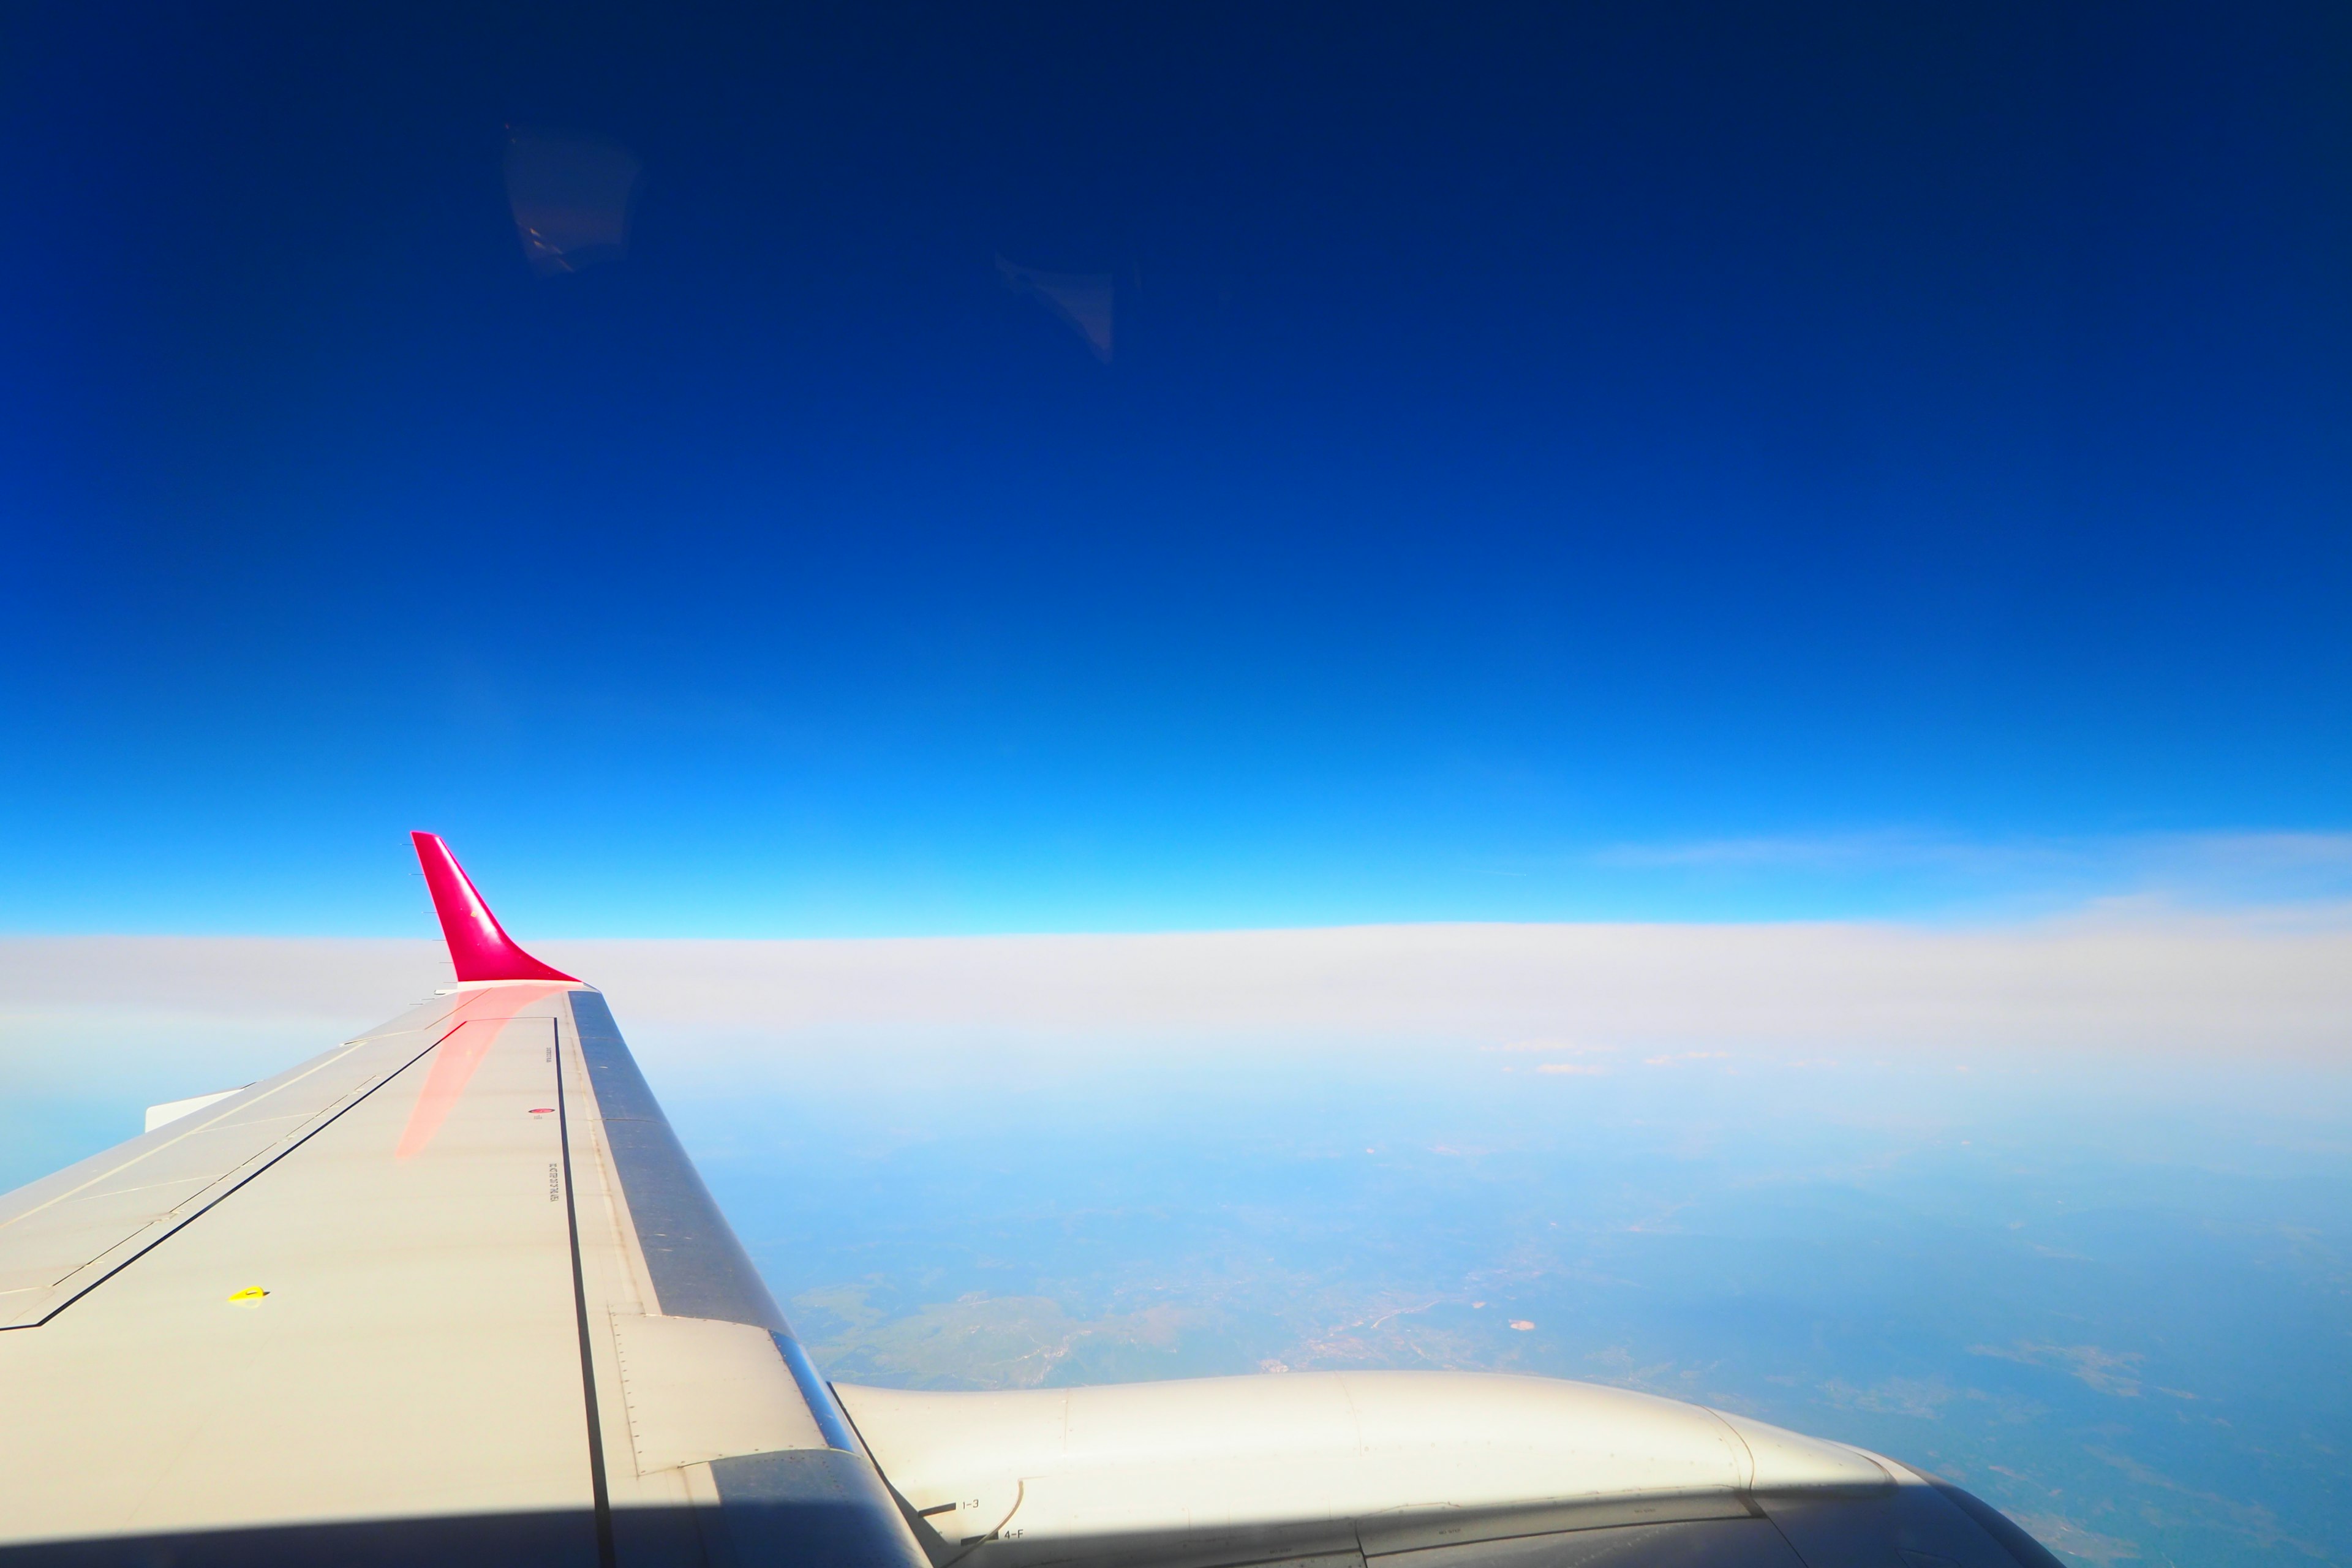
(2117,977)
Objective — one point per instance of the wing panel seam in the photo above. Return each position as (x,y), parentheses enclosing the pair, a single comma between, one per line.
(597,1486)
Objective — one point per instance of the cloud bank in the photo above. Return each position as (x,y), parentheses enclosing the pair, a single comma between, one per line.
(2113,978)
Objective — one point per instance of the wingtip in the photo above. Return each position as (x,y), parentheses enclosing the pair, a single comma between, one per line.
(480,948)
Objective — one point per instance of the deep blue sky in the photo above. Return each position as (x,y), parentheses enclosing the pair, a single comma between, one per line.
(1529,435)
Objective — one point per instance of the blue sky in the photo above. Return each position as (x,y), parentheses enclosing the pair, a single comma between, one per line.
(1536,457)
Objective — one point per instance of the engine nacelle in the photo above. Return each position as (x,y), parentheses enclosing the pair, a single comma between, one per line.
(1399,1470)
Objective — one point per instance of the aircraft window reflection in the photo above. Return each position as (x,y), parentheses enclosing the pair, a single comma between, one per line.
(570,196)
(1084,300)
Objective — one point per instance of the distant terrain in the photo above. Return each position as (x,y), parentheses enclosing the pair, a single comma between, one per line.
(2114,1299)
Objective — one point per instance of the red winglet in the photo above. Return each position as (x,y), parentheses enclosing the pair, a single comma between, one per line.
(478,945)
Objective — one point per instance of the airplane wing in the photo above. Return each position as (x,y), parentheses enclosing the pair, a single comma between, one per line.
(452,1291)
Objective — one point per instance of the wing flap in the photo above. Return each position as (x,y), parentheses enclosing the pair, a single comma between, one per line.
(173,1109)
(699,1390)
